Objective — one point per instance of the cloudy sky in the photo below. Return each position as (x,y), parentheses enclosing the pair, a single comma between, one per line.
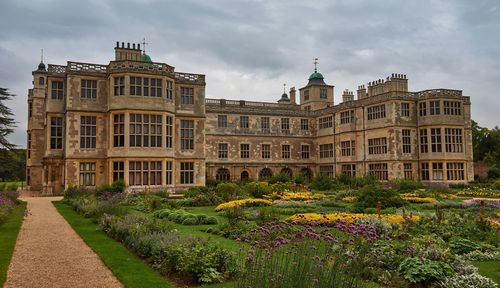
(249,49)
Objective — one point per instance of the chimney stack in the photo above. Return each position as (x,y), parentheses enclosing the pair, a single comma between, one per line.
(292,95)
(347,96)
(361,92)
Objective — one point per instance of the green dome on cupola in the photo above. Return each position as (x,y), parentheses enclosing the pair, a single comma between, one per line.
(145,58)
(316,75)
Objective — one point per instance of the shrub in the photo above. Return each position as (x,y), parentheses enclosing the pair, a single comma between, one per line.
(417,270)
(227,191)
(370,195)
(463,246)
(195,191)
(190,221)
(408,185)
(467,281)
(211,220)
(257,189)
(322,182)
(282,177)
(494,173)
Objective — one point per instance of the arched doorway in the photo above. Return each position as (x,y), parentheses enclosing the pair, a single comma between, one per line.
(223,175)
(265,174)
(287,171)
(244,176)
(307,172)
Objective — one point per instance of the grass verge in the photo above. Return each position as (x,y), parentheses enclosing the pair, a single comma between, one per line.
(130,270)
(8,236)
(490,269)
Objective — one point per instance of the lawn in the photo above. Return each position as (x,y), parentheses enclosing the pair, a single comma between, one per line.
(130,270)
(8,236)
(490,269)
(12,185)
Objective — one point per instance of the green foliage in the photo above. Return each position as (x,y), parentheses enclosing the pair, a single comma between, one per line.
(322,182)
(184,218)
(13,166)
(494,173)
(264,215)
(282,177)
(7,122)
(370,195)
(417,270)
(409,185)
(8,235)
(227,191)
(463,246)
(257,189)
(467,281)
(300,178)
(200,197)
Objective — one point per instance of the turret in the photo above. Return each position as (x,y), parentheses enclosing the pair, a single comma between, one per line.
(128,52)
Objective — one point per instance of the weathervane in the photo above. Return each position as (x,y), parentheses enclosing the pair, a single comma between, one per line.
(315,64)
(41,56)
(284,88)
(144,43)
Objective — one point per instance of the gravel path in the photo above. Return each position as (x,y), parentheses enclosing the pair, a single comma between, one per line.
(49,253)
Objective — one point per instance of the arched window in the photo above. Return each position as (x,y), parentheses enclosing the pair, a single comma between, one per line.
(287,171)
(265,173)
(223,175)
(244,176)
(307,172)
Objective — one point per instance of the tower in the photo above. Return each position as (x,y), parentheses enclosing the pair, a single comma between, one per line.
(316,94)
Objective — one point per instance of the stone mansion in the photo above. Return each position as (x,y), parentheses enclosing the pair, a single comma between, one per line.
(145,123)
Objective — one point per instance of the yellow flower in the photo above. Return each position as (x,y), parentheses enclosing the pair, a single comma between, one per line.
(349,199)
(419,199)
(297,196)
(243,202)
(347,217)
(494,222)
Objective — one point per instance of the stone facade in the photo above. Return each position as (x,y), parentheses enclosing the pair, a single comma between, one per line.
(151,126)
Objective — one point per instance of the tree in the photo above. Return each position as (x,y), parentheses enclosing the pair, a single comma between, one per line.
(7,122)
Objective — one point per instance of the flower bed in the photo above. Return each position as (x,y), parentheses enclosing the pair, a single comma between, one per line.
(331,218)
(243,203)
(419,199)
(295,196)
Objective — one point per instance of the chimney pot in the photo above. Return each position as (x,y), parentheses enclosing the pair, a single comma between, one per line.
(123,44)
(117,44)
(128,45)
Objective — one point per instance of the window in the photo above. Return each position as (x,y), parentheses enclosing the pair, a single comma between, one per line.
(187,134)
(118,130)
(88,89)
(29,146)
(88,131)
(377,146)
(244,122)
(376,112)
(57,91)
(307,108)
(168,176)
(223,174)
(144,173)
(146,130)
(119,86)
(56,132)
(306,95)
(405,109)
(406,135)
(245,151)
(455,171)
(407,170)
(87,174)
(140,86)
(325,122)
(170,89)
(170,131)
(285,151)
(187,173)
(437,171)
(424,171)
(348,169)
(41,81)
(222,121)
(118,170)
(379,170)
(30,109)
(136,86)
(266,151)
(326,150)
(347,148)
(326,170)
(285,125)
(322,93)
(424,142)
(453,140)
(347,117)
(264,124)
(156,87)
(304,124)
(304,151)
(422,108)
(187,96)
(434,108)
(222,150)
(436,140)
(452,108)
